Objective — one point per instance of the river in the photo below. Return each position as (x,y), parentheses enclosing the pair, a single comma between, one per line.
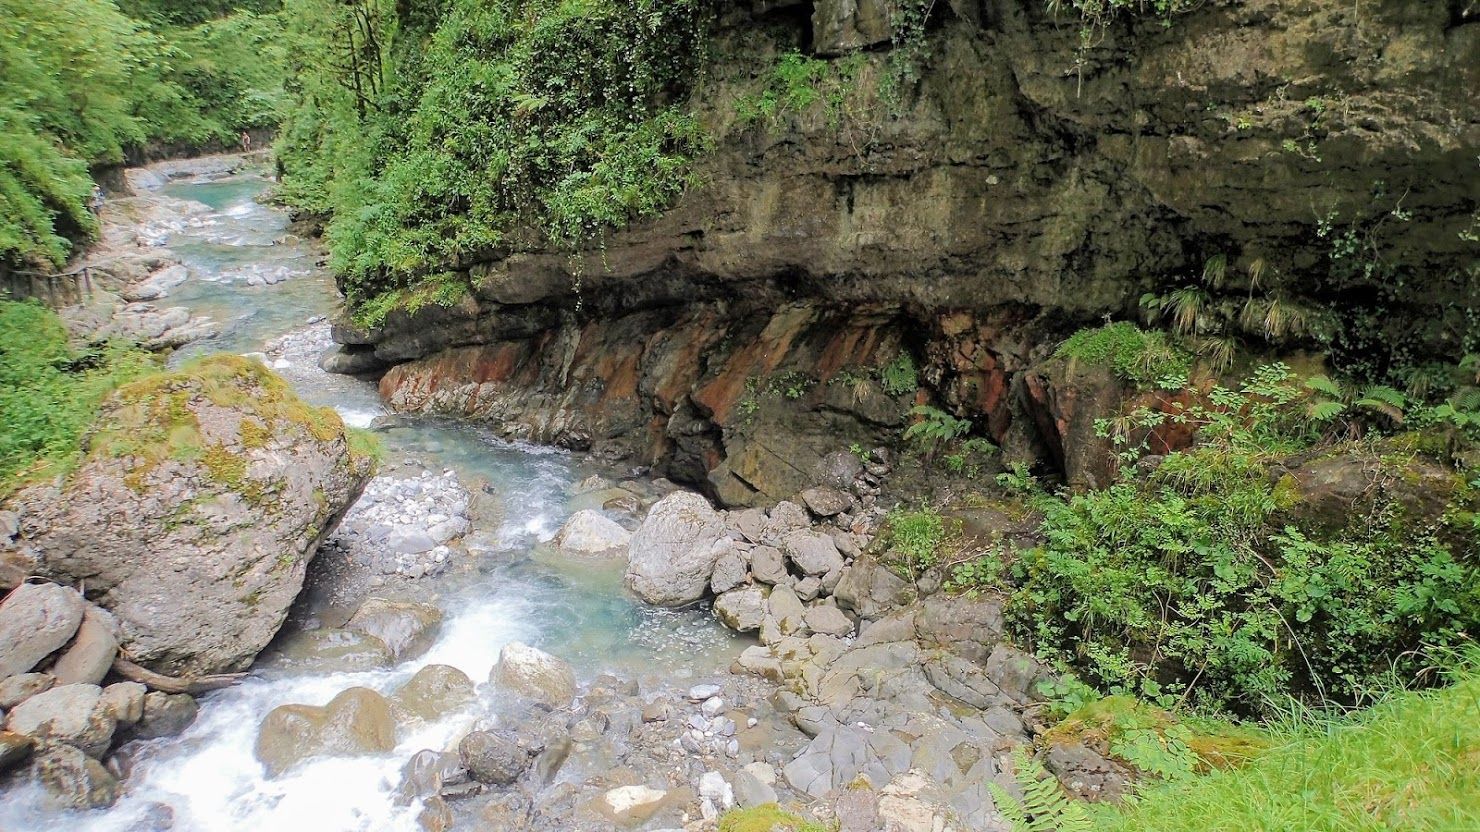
(260,283)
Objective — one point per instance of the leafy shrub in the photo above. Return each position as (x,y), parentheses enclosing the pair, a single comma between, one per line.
(1146,359)
(49,394)
(798,83)
(1190,578)
(934,428)
(1044,806)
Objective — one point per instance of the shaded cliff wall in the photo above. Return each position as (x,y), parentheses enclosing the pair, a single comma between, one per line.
(1022,187)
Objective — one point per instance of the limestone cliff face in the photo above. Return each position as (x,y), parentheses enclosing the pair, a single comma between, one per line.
(1022,187)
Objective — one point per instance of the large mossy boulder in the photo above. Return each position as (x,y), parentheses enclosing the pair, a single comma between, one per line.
(199,499)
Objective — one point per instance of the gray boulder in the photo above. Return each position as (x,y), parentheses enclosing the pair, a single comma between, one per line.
(673,552)
(786,517)
(592,534)
(814,553)
(204,494)
(841,753)
(348,361)
(534,675)
(435,690)
(826,502)
(768,565)
(754,785)
(17,689)
(91,655)
(331,651)
(828,620)
(493,757)
(730,570)
(73,715)
(165,715)
(125,700)
(73,780)
(838,469)
(742,610)
(35,621)
(870,589)
(13,749)
(786,609)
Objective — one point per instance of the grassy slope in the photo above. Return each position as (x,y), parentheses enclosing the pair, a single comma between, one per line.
(1409,763)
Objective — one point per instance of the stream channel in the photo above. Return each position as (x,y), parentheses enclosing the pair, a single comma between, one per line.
(267,290)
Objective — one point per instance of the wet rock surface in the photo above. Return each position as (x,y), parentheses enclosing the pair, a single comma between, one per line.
(357,721)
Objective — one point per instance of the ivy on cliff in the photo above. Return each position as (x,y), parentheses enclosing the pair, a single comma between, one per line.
(495,125)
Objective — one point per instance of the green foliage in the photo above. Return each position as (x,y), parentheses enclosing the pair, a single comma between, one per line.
(1191,580)
(965,457)
(1346,410)
(49,393)
(795,83)
(934,428)
(899,377)
(915,538)
(1044,806)
(1144,358)
(1407,763)
(1216,309)
(80,82)
(363,443)
(478,125)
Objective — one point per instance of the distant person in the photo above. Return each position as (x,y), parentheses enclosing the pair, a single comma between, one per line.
(246,142)
(95,201)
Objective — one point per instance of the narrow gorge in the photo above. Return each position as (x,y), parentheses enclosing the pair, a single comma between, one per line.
(770,416)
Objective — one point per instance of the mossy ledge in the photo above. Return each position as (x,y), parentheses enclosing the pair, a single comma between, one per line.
(160,417)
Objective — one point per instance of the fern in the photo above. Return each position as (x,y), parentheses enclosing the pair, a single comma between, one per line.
(1326,411)
(935,428)
(1385,400)
(1323,384)
(1044,806)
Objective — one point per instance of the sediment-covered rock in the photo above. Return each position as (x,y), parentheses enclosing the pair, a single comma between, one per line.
(202,497)
(72,715)
(433,692)
(90,656)
(357,721)
(406,628)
